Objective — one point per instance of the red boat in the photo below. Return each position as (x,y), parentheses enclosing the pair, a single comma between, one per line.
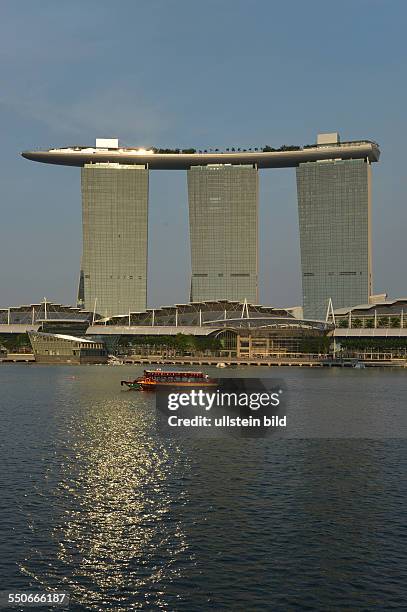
(156,379)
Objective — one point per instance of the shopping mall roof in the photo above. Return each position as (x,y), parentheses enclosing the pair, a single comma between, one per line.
(201,319)
(381,307)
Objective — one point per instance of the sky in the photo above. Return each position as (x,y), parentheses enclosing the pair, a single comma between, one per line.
(202,74)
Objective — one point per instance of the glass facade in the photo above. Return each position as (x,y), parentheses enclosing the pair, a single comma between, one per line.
(115,227)
(334,201)
(223,212)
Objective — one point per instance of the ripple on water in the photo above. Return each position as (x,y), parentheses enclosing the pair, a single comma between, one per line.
(96,502)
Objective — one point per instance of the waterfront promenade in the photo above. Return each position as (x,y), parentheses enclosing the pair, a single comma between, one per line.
(310,361)
(294,361)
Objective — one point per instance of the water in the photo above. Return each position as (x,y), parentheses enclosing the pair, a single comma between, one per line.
(93,501)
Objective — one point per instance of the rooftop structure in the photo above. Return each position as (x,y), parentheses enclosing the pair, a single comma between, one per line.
(177,159)
(199,317)
(386,315)
(45,316)
(382,307)
(380,326)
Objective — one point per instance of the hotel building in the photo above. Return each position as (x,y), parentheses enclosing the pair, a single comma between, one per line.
(334,201)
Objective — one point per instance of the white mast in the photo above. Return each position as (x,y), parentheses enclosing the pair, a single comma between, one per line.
(245,309)
(330,312)
(94,311)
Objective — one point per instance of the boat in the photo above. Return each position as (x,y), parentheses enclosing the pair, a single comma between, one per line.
(115,361)
(132,384)
(153,380)
(221,364)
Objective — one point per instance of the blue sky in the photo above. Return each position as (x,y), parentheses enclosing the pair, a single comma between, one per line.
(211,73)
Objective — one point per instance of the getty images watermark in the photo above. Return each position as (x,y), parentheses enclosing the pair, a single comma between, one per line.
(247,407)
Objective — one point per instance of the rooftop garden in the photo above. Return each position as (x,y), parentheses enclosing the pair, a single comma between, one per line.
(265,149)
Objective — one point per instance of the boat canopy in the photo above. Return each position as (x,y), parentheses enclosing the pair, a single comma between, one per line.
(162,374)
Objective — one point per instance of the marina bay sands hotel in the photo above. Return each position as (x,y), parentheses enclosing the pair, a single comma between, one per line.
(334,203)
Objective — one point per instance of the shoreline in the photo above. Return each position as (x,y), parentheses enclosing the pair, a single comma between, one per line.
(323,362)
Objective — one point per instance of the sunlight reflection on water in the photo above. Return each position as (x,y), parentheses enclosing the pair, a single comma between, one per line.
(96,502)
